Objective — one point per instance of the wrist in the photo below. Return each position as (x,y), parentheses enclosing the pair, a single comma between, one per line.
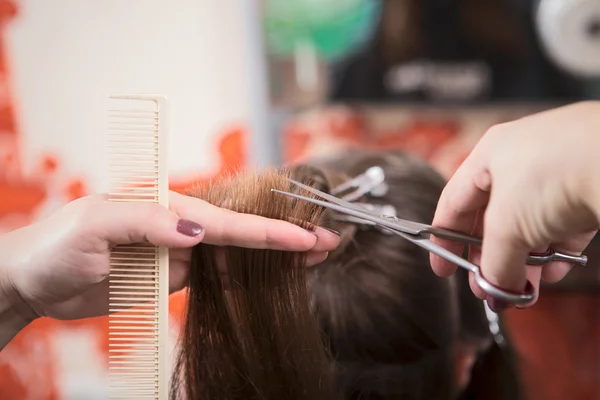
(13,317)
(15,313)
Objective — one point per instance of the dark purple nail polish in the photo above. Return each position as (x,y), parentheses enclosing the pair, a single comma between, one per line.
(189,228)
(528,287)
(496,305)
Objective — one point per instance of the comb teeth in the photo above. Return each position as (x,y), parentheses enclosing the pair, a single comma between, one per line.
(138,277)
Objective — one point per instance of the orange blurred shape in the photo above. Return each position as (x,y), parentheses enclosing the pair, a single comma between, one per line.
(75,189)
(7,119)
(11,388)
(49,164)
(8,160)
(231,147)
(20,197)
(297,140)
(421,137)
(8,9)
(557,346)
(177,306)
(232,156)
(347,125)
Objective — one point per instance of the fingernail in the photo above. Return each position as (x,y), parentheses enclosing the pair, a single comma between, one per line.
(189,228)
(316,258)
(310,231)
(528,289)
(332,231)
(496,305)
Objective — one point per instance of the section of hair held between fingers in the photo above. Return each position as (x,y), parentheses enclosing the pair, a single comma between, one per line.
(257,339)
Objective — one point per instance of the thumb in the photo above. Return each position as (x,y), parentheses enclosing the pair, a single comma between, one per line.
(503,252)
(131,222)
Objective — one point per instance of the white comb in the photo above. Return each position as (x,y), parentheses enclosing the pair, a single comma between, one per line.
(138,277)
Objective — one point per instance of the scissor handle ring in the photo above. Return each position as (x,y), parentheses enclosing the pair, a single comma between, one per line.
(542,258)
(509,296)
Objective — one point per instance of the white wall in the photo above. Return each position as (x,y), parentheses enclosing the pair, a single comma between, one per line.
(67,56)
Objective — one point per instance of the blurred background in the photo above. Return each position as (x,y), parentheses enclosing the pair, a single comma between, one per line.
(276,81)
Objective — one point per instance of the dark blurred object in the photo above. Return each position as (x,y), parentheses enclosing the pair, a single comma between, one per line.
(558,345)
(582,279)
(558,339)
(497,383)
(458,52)
(494,375)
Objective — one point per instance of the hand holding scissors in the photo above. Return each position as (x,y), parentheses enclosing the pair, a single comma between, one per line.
(419,234)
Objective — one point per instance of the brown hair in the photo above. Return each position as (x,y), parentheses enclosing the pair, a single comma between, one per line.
(392,325)
(258,340)
(389,319)
(389,324)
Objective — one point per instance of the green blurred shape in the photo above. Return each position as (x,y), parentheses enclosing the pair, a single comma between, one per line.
(334,28)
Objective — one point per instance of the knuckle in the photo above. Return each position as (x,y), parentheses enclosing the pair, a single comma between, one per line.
(150,211)
(83,205)
(499,226)
(497,130)
(82,212)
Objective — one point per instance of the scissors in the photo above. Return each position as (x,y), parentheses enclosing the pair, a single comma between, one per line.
(419,233)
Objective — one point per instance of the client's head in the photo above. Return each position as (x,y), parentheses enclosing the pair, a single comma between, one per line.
(394,328)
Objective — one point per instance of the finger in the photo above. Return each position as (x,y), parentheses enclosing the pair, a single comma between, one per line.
(179,267)
(313,258)
(477,291)
(552,271)
(132,222)
(533,274)
(475,249)
(475,256)
(246,230)
(463,196)
(178,275)
(498,305)
(504,254)
(326,240)
(557,270)
(184,255)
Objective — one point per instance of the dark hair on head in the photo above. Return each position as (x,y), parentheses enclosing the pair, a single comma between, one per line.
(389,320)
(391,324)
(371,322)
(494,374)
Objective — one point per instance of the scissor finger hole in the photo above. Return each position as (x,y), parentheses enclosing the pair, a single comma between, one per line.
(528,294)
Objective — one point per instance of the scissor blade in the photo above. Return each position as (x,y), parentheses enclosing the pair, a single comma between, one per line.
(351,211)
(452,235)
(331,198)
(410,227)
